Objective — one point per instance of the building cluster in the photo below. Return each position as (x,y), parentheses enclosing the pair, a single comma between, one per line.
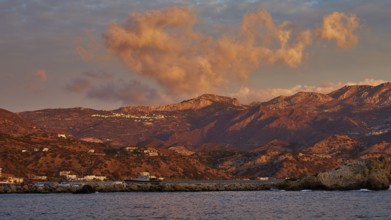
(11,179)
(68,175)
(8,179)
(378,132)
(73,177)
(136,118)
(149,151)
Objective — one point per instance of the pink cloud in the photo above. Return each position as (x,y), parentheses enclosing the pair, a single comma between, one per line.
(40,74)
(79,85)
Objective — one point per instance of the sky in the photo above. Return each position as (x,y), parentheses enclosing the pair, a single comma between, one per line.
(105,54)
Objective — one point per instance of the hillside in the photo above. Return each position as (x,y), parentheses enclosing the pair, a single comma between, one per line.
(13,124)
(26,151)
(209,136)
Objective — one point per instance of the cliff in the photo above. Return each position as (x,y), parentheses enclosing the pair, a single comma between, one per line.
(373,174)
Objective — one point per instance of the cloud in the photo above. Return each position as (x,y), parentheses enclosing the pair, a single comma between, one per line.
(339,26)
(86,82)
(37,86)
(163,45)
(89,48)
(40,74)
(247,95)
(131,92)
(102,75)
(79,85)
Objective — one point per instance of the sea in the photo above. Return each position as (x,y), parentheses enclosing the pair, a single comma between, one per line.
(273,204)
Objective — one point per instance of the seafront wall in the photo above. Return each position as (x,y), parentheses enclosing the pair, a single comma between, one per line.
(144,187)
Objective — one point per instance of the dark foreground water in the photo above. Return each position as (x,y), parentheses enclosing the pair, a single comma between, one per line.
(200,205)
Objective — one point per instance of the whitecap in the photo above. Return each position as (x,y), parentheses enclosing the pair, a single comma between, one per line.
(364,190)
(306,190)
(277,190)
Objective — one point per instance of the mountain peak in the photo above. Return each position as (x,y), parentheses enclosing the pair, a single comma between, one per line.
(311,98)
(348,91)
(214,98)
(13,124)
(203,101)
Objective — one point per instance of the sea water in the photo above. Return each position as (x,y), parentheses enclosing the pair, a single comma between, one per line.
(273,204)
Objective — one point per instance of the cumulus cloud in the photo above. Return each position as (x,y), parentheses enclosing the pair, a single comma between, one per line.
(166,47)
(163,45)
(247,95)
(339,26)
(40,74)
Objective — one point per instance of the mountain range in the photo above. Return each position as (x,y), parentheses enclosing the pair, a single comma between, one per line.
(288,136)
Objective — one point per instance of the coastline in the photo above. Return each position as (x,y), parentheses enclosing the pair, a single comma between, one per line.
(371,174)
(166,186)
(169,186)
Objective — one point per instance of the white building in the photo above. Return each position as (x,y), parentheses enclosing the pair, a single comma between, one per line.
(71,177)
(61,136)
(65,173)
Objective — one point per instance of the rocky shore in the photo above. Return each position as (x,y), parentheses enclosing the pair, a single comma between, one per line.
(372,174)
(143,187)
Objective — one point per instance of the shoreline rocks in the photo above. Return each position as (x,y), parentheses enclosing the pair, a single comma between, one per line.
(372,174)
(143,187)
(86,189)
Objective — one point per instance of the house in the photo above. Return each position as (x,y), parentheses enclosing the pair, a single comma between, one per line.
(65,173)
(62,136)
(71,177)
(131,148)
(45,149)
(36,149)
(91,151)
(24,151)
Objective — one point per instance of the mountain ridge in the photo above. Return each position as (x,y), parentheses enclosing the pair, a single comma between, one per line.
(197,103)
(304,117)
